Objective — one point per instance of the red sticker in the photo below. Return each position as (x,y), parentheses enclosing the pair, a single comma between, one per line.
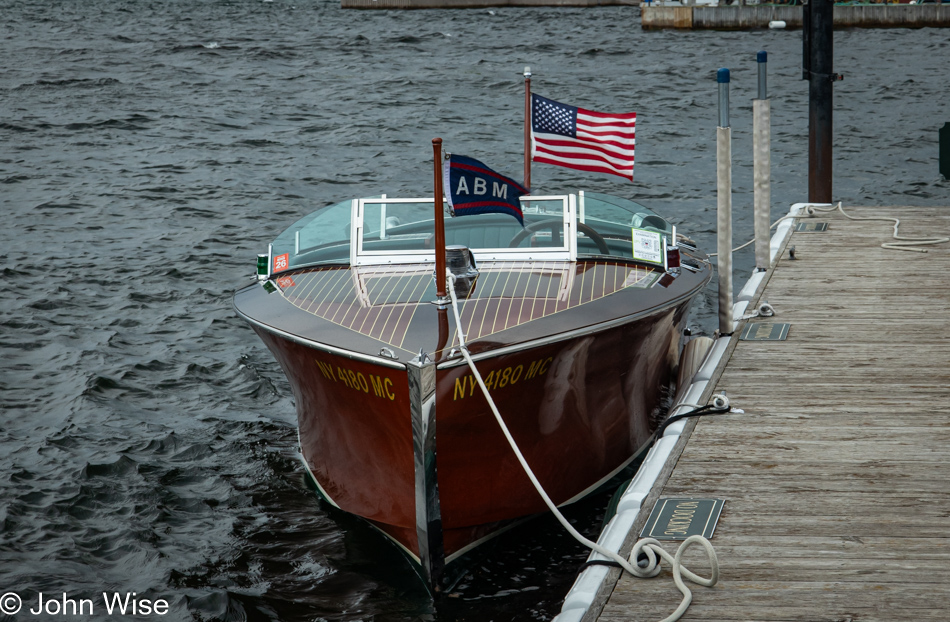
(285,282)
(281,262)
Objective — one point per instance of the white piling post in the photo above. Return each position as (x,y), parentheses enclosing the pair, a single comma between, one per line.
(724,204)
(762,167)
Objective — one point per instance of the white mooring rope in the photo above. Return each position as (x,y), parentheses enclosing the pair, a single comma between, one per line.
(763,310)
(648,546)
(907,244)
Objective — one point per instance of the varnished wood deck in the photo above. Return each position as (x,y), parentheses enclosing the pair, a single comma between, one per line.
(380,301)
(837,477)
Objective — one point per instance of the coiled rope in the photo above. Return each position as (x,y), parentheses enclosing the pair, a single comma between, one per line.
(648,546)
(904,243)
(907,244)
(763,310)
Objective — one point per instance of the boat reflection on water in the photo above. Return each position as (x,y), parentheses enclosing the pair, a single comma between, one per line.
(574,321)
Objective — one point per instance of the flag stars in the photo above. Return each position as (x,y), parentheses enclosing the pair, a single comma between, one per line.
(554,118)
(582,139)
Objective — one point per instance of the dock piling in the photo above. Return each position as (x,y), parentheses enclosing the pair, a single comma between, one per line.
(945,150)
(724,204)
(762,166)
(818,64)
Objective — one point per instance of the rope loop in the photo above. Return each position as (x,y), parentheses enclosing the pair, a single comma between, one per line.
(679,569)
(651,549)
(645,547)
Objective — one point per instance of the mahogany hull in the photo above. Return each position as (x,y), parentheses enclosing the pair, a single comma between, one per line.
(392,426)
(415,449)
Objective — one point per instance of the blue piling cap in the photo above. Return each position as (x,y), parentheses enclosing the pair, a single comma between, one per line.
(762,56)
(722,76)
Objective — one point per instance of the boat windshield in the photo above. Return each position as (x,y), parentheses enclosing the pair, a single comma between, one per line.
(605,212)
(320,237)
(389,231)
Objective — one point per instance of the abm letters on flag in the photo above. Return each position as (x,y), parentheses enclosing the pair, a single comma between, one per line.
(473,188)
(582,139)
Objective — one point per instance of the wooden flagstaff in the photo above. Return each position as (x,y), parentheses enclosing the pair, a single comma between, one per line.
(527,128)
(440,287)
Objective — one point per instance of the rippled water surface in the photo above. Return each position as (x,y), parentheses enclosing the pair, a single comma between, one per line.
(151,148)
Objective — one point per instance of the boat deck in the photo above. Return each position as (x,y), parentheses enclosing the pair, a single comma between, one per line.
(835,478)
(381,301)
(361,309)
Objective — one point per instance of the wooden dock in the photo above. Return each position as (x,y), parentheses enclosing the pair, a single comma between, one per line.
(751,17)
(837,476)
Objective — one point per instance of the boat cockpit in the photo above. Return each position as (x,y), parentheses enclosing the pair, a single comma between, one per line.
(390,231)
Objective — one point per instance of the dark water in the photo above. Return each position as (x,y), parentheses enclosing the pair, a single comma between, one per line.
(151,148)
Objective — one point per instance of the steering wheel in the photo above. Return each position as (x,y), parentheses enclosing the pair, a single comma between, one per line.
(554,225)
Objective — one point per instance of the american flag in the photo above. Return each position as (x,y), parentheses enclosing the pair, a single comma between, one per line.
(582,139)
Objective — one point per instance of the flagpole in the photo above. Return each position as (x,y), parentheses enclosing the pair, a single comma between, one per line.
(439,223)
(527,127)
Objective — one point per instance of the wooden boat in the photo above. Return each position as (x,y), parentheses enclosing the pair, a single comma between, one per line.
(574,321)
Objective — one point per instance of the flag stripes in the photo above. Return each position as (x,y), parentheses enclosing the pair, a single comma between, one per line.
(582,139)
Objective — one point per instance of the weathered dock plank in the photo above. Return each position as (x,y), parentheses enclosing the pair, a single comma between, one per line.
(835,476)
(788,547)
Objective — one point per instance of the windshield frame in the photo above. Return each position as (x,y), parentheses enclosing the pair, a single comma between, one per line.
(361,256)
(617,220)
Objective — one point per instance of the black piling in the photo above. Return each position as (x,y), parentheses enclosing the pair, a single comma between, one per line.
(945,150)
(818,69)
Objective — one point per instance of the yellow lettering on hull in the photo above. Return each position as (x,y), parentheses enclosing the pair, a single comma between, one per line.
(501,378)
(377,386)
